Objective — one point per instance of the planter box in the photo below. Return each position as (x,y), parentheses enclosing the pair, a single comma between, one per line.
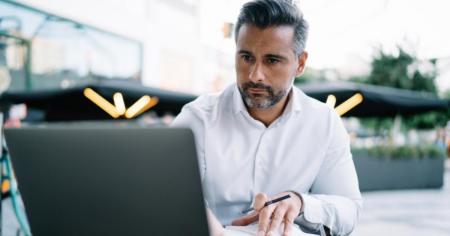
(384,173)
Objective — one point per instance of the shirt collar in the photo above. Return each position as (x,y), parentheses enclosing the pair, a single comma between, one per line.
(238,103)
(294,103)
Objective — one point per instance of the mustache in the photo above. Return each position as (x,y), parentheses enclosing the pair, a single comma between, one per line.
(250,85)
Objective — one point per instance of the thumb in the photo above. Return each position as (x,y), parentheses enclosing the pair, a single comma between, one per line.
(260,200)
(258,204)
(246,220)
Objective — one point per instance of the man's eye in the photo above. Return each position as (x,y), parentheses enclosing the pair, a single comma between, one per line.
(272,60)
(246,57)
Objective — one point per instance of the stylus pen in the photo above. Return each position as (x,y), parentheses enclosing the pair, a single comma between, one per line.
(267,203)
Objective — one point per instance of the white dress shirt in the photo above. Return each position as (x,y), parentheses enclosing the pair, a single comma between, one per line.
(305,150)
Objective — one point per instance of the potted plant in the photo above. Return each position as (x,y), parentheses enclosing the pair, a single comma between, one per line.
(401,167)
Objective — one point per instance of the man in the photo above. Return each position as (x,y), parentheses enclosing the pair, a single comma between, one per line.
(263,138)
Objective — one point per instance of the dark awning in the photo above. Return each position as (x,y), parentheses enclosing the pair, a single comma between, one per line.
(70,104)
(379,101)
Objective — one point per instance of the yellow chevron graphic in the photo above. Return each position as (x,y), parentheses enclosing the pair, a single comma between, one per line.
(118,109)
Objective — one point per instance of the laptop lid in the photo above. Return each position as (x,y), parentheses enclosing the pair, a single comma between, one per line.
(108,180)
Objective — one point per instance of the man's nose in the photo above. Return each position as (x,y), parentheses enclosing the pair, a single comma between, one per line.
(256,73)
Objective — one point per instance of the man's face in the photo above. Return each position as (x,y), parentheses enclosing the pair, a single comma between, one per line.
(266,64)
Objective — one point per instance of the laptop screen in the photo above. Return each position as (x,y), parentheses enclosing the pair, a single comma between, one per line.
(108,180)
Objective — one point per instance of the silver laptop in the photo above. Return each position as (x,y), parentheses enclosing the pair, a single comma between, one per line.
(108,180)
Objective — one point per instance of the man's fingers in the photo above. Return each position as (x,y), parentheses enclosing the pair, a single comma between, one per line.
(277,218)
(264,219)
(289,222)
(260,200)
(258,204)
(246,220)
(287,228)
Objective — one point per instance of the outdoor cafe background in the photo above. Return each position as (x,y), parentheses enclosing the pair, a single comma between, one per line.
(68,61)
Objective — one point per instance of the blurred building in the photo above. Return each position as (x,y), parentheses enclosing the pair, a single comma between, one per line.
(187,46)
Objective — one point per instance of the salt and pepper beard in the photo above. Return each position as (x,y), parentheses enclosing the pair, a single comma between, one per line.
(261,101)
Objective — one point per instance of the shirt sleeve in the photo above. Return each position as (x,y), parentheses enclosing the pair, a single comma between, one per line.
(188,118)
(334,199)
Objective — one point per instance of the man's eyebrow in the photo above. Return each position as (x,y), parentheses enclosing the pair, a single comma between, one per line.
(244,52)
(276,56)
(270,55)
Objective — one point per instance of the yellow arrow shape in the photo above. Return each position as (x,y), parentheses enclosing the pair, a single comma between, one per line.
(101,102)
(143,104)
(119,103)
(350,103)
(331,100)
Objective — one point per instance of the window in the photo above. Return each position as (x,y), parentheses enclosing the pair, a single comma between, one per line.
(42,51)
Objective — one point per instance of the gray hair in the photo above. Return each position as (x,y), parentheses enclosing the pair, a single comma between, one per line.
(266,13)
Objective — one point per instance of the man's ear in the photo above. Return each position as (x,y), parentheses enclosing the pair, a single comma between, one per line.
(301,63)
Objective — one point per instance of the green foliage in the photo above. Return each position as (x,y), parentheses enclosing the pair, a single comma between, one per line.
(358,79)
(424,82)
(377,124)
(391,70)
(401,152)
(446,94)
(310,75)
(428,120)
(400,70)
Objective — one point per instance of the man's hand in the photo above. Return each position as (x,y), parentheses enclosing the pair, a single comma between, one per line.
(271,217)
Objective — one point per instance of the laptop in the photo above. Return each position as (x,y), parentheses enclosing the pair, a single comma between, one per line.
(108,180)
